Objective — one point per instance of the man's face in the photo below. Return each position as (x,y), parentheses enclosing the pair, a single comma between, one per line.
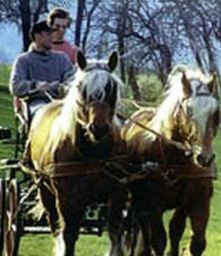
(59,27)
(44,40)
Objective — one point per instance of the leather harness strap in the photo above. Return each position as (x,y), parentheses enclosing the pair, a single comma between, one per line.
(120,164)
(69,169)
(185,172)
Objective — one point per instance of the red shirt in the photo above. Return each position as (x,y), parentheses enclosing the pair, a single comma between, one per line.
(67,48)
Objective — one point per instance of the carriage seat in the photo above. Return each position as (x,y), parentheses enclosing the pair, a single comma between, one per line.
(22,115)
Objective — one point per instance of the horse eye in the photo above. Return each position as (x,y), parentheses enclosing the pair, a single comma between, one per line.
(189,110)
(84,94)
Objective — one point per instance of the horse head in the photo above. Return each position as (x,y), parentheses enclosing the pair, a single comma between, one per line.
(96,91)
(198,115)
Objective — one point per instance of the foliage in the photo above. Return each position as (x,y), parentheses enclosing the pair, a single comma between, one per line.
(149,33)
(150,87)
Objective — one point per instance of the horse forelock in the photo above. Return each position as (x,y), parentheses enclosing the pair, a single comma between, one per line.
(93,81)
(91,84)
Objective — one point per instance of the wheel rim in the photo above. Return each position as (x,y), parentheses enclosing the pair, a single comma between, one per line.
(2,212)
(13,197)
(11,229)
(9,235)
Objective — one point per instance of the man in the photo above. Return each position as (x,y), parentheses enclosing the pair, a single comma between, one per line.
(59,20)
(40,73)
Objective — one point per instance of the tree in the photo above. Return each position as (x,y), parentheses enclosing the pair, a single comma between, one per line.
(79,20)
(22,13)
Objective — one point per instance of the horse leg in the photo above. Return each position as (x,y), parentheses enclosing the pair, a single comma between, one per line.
(143,247)
(66,239)
(115,222)
(198,240)
(72,214)
(158,234)
(54,220)
(176,229)
(49,201)
(199,215)
(199,224)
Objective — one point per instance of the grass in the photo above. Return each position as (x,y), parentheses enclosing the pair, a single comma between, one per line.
(34,245)
(87,245)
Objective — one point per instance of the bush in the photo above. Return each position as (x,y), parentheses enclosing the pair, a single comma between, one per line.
(150,87)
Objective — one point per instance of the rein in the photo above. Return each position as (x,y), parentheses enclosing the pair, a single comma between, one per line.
(179,145)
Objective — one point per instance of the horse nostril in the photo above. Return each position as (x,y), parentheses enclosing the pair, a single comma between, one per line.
(205,162)
(201,160)
(211,159)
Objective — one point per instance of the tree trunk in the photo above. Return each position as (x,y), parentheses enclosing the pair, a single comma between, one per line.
(121,52)
(24,6)
(79,17)
(42,7)
(132,82)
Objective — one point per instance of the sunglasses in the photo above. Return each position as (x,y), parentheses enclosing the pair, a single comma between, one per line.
(58,26)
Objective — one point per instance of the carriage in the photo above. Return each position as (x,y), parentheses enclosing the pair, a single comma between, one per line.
(113,159)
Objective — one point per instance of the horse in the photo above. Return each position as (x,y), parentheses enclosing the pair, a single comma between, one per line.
(68,146)
(177,137)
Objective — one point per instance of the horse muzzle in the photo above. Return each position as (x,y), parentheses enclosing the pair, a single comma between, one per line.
(99,131)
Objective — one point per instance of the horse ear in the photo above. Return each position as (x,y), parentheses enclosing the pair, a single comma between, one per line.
(113,61)
(81,60)
(212,85)
(186,85)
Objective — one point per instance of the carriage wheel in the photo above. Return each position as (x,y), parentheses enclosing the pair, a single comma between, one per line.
(12,220)
(2,212)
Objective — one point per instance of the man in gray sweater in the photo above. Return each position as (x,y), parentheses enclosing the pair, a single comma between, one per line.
(40,73)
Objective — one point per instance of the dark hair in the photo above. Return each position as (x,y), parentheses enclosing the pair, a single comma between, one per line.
(38,27)
(58,12)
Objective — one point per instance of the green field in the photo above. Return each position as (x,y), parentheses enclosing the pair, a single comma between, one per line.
(41,245)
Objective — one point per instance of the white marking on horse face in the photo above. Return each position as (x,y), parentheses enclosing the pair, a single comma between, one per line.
(200,109)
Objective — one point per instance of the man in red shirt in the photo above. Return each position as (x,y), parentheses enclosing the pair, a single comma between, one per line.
(59,20)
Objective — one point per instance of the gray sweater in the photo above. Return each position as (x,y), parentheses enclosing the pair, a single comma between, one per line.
(33,67)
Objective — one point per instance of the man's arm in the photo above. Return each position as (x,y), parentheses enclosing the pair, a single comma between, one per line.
(19,83)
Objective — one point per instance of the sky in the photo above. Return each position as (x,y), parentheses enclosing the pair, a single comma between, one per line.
(10,44)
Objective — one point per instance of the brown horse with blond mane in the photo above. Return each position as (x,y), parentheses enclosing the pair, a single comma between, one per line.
(68,144)
(178,139)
